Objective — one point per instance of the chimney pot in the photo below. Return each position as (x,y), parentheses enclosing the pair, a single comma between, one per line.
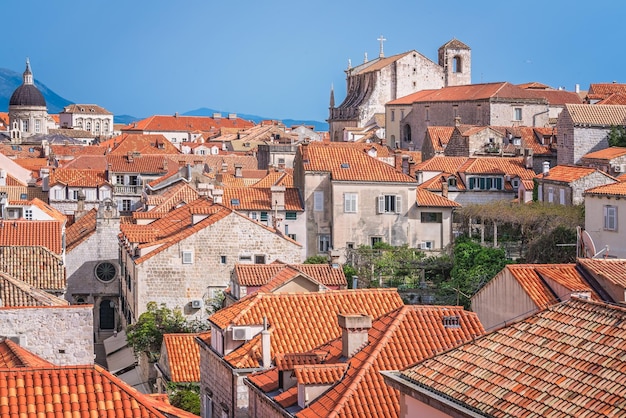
(354,332)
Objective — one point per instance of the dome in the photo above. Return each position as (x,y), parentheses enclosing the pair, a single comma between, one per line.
(27,95)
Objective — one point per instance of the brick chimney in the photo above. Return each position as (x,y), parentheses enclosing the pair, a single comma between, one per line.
(304,152)
(278,197)
(354,329)
(444,187)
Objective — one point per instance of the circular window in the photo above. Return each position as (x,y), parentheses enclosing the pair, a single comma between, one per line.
(105,271)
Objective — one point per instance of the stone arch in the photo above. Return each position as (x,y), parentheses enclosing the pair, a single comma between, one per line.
(406,133)
(457,64)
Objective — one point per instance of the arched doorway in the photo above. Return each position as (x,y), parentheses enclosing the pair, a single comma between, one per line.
(107,314)
(407,133)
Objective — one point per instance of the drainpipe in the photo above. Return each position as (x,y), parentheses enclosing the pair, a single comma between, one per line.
(537,114)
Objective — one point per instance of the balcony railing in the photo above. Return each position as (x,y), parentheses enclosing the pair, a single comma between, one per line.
(127,190)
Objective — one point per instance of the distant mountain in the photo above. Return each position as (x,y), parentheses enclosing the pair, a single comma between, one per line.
(10,80)
(203,111)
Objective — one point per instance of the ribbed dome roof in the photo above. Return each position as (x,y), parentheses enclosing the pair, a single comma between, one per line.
(27,95)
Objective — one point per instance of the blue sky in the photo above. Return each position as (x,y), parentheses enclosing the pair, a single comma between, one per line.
(279,58)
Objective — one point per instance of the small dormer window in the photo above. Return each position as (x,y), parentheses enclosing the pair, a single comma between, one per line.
(451,321)
(345,165)
(452,181)
(234,202)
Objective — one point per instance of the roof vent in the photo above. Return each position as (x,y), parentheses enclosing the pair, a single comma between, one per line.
(451,321)
(345,165)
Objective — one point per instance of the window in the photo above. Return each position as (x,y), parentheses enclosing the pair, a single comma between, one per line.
(291,216)
(105,271)
(88,126)
(562,196)
(389,203)
(97,127)
(324,243)
(187,257)
(427,113)
(254,215)
(402,114)
(292,236)
(28,214)
(37,126)
(349,202)
(264,217)
(393,115)
(452,181)
(376,240)
(455,110)
(318,201)
(550,195)
(119,179)
(259,259)
(127,205)
(222,259)
(518,113)
(431,217)
(427,245)
(245,257)
(456,65)
(74,194)
(485,183)
(610,218)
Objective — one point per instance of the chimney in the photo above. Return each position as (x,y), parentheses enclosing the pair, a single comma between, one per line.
(238,173)
(266,349)
(546,168)
(397,160)
(577,88)
(304,151)
(109,172)
(457,121)
(218,195)
(528,158)
(80,206)
(278,197)
(176,114)
(224,167)
(405,164)
(354,329)
(129,156)
(44,173)
(444,187)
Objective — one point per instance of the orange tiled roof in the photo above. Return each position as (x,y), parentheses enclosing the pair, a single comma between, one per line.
(76,151)
(256,198)
(18,293)
(183,354)
(21,150)
(148,164)
(567,173)
(347,162)
(180,123)
(439,136)
(598,91)
(86,162)
(484,91)
(614,99)
(526,275)
(261,274)
(81,229)
(276,178)
(567,276)
(612,270)
(411,98)
(425,198)
(171,198)
(442,164)
(32,233)
(297,332)
(319,374)
(143,143)
(596,115)
(378,63)
(85,109)
(44,207)
(563,361)
(617,189)
(75,391)
(78,177)
(13,356)
(396,340)
(607,153)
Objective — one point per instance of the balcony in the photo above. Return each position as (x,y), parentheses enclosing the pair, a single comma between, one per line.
(120,189)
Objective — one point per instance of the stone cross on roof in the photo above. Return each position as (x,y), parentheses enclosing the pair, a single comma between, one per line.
(381,39)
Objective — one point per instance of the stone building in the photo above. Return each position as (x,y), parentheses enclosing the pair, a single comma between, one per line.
(611,160)
(583,128)
(565,185)
(61,335)
(183,258)
(88,117)
(28,113)
(372,84)
(605,207)
(93,270)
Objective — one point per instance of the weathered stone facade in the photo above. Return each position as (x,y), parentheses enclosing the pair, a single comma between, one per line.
(62,335)
(215,249)
(571,193)
(573,142)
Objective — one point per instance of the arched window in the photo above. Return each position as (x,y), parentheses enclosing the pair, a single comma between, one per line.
(406,131)
(456,65)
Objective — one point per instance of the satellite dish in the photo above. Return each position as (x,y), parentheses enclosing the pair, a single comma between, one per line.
(588,247)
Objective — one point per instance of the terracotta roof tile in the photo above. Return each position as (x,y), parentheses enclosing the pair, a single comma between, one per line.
(75,391)
(614,189)
(276,178)
(614,99)
(142,164)
(607,153)
(295,332)
(565,360)
(81,229)
(183,354)
(31,233)
(612,270)
(12,356)
(171,198)
(86,162)
(484,91)
(17,293)
(75,151)
(319,374)
(596,115)
(145,144)
(87,109)
(347,162)
(598,91)
(567,173)
(256,198)
(35,265)
(428,199)
(531,282)
(78,177)
(261,274)
(180,123)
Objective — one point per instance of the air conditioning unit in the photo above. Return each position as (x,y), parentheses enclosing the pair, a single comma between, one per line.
(196,304)
(242,333)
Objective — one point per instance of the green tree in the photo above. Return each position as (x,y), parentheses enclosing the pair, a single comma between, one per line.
(146,335)
(557,246)
(474,265)
(185,396)
(316,259)
(617,136)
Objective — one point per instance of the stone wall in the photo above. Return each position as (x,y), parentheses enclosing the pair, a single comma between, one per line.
(60,335)
(216,382)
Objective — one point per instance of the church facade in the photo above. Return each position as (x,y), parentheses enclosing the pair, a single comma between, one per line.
(375,82)
(28,113)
